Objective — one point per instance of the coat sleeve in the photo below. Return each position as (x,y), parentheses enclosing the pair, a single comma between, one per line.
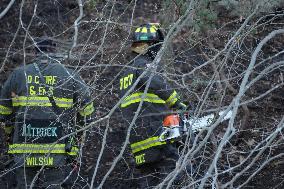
(83,100)
(159,86)
(6,109)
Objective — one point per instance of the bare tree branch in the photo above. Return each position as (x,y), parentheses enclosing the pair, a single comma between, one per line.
(4,12)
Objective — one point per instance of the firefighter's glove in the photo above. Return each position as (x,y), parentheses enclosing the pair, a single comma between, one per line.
(8,130)
(69,143)
(181,106)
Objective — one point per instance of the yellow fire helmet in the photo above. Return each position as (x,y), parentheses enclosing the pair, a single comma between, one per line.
(149,32)
(145,34)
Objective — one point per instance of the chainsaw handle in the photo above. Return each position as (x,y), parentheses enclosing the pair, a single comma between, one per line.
(170,133)
(162,137)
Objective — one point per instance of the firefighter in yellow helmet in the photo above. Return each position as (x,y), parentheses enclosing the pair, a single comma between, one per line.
(151,155)
(42,100)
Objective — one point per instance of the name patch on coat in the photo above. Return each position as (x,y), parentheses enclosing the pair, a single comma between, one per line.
(29,131)
(39,161)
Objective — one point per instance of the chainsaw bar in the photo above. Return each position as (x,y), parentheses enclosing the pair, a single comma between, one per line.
(198,124)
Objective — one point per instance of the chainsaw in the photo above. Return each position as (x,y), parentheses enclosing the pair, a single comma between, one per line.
(177,125)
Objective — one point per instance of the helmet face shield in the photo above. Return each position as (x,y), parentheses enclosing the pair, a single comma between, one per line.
(140,47)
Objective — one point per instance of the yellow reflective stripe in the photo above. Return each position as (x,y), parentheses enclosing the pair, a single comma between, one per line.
(152,30)
(40,149)
(172,99)
(137,97)
(89,109)
(144,30)
(137,30)
(41,101)
(146,144)
(5,110)
(155,25)
(142,142)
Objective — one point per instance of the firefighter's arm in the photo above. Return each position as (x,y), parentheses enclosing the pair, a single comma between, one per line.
(162,88)
(6,111)
(83,101)
(84,106)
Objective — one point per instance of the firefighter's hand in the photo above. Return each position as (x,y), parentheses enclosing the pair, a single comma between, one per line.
(181,106)
(69,144)
(68,148)
(7,130)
